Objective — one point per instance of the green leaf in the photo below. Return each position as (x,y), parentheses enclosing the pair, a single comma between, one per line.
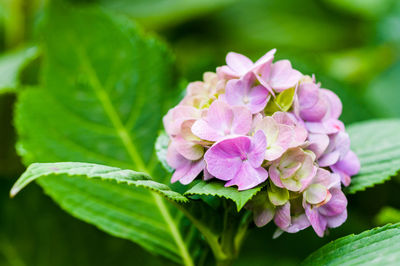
(387,215)
(12,64)
(377,145)
(105,88)
(95,171)
(215,188)
(379,246)
(162,143)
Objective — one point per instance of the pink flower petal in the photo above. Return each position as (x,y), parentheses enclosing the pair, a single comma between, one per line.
(299,223)
(265,60)
(185,170)
(243,93)
(238,63)
(193,171)
(224,158)
(282,216)
(338,220)
(203,130)
(222,120)
(318,143)
(258,146)
(336,205)
(248,177)
(283,76)
(335,104)
(329,159)
(318,223)
(242,121)
(226,72)
(188,149)
(275,176)
(263,217)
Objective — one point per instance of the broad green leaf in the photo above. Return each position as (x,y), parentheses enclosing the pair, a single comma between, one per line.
(11,65)
(162,143)
(388,215)
(105,88)
(215,188)
(95,171)
(111,212)
(379,246)
(377,145)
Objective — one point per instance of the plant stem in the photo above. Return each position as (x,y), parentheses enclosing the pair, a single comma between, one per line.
(225,246)
(211,238)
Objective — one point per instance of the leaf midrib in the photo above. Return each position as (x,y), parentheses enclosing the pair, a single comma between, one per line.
(131,149)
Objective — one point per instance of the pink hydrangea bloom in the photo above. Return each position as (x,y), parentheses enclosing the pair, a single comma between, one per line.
(290,221)
(238,160)
(201,94)
(244,92)
(279,76)
(239,65)
(282,133)
(252,121)
(185,170)
(294,170)
(318,108)
(223,120)
(324,202)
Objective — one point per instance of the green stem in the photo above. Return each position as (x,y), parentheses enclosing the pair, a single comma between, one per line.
(225,246)
(211,239)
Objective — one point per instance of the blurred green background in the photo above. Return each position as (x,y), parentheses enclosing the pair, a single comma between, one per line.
(352,46)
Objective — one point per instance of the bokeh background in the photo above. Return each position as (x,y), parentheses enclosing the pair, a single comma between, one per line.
(352,46)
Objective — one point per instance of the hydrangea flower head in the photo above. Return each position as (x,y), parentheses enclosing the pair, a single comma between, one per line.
(265,124)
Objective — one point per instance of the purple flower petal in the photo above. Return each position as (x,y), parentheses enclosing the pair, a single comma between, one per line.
(238,159)
(282,76)
(279,137)
(264,61)
(248,177)
(243,93)
(336,205)
(348,166)
(263,217)
(282,216)
(329,159)
(258,145)
(224,158)
(238,63)
(318,143)
(175,117)
(338,220)
(223,120)
(317,222)
(299,223)
(313,106)
(185,170)
(335,104)
(275,176)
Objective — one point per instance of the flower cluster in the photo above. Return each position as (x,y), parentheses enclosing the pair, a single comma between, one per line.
(266,124)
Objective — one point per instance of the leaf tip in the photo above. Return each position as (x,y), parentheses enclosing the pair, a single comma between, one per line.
(14,191)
